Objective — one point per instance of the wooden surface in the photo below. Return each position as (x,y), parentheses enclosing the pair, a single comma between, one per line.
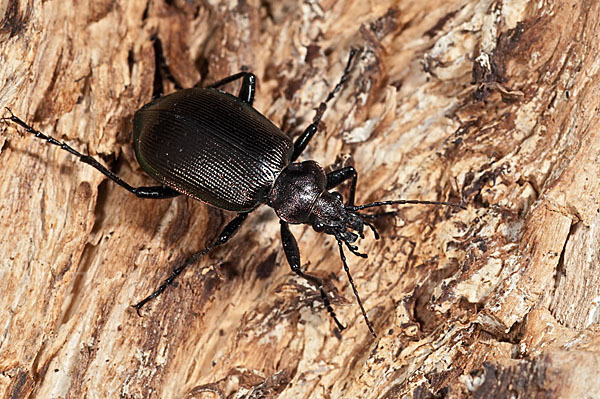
(492,102)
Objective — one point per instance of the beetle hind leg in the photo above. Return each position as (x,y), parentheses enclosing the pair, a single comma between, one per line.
(161,68)
(154,192)
(228,231)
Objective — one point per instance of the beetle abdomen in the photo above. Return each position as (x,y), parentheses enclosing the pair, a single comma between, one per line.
(211,146)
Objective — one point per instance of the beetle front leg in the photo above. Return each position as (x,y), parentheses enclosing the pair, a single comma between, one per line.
(154,192)
(302,141)
(227,232)
(339,176)
(292,253)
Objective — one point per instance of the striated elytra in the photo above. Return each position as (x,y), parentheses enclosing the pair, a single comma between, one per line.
(216,148)
(211,146)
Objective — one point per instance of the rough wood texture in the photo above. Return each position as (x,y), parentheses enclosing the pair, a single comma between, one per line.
(494,102)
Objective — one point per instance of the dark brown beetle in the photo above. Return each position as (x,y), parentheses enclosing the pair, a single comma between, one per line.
(216,148)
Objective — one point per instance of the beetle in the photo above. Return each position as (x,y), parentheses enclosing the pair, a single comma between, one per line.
(216,148)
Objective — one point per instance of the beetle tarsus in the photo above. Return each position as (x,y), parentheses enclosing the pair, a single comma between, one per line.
(176,272)
(155,192)
(228,231)
(192,259)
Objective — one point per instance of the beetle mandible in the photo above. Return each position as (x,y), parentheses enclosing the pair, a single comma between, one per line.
(216,148)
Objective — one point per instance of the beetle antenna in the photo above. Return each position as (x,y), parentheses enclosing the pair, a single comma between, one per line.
(403,202)
(362,309)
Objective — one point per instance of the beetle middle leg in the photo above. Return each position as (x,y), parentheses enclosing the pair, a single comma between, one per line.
(247,90)
(302,141)
(155,192)
(161,67)
(246,93)
(292,254)
(228,231)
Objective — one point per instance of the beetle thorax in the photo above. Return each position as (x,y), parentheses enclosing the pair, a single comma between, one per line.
(296,191)
(300,195)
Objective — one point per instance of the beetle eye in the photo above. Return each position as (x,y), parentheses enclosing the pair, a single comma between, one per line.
(318,227)
(337,196)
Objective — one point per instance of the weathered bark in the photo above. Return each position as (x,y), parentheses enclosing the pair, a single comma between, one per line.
(495,103)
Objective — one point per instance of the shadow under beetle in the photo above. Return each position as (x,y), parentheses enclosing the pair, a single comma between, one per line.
(216,148)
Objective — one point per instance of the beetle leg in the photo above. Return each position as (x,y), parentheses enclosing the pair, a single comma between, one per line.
(362,309)
(292,253)
(156,192)
(229,230)
(247,90)
(339,176)
(160,65)
(302,141)
(309,132)
(246,93)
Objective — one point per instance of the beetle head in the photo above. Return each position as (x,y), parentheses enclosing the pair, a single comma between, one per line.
(330,216)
